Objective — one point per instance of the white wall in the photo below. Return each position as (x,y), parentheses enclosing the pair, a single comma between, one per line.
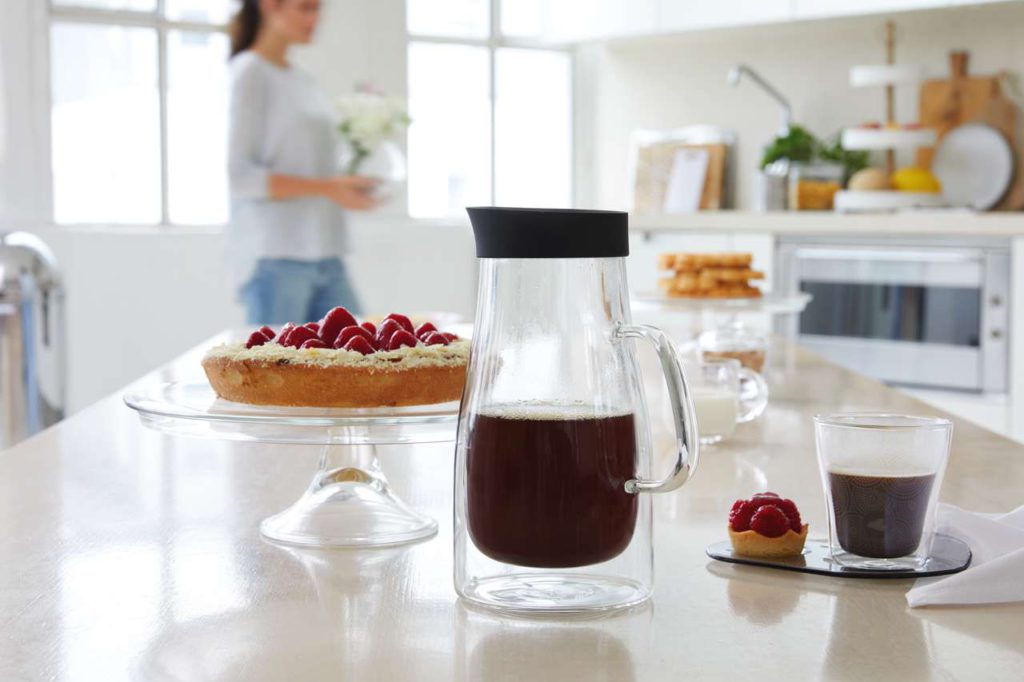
(668,82)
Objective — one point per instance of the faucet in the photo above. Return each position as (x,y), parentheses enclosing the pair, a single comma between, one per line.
(736,74)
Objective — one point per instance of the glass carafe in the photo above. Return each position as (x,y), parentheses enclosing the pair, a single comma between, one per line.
(554,457)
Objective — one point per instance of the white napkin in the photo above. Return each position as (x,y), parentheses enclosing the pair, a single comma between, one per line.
(996,573)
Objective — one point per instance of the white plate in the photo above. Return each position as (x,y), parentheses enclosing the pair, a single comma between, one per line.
(974,163)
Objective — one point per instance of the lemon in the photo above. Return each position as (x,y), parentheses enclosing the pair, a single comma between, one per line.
(913,179)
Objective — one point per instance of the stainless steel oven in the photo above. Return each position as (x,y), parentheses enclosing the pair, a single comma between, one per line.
(924,311)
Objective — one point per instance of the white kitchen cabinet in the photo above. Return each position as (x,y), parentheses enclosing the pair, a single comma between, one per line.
(686,15)
(586,20)
(814,9)
(582,20)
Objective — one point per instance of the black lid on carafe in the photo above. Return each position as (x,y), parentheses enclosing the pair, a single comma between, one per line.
(549,233)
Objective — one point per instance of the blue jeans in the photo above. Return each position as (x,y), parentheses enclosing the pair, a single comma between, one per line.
(296,291)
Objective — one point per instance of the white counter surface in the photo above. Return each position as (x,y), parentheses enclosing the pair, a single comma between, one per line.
(946,222)
(131,555)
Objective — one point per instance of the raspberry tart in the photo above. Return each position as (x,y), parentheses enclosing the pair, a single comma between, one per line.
(340,362)
(766,526)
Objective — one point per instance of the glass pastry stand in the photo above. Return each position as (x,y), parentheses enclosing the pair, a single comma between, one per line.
(712,313)
(349,502)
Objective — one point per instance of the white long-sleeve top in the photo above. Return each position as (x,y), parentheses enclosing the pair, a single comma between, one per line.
(280,123)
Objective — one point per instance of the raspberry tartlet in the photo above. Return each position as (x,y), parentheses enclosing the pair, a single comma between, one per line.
(339,362)
(766,526)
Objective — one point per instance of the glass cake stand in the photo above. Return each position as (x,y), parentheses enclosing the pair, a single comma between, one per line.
(349,502)
(773,303)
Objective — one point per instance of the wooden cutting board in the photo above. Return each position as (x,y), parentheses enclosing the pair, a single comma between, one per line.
(947,103)
(654,165)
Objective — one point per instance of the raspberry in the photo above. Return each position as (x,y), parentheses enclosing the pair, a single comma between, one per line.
(349,332)
(788,508)
(384,332)
(286,330)
(370,327)
(299,336)
(402,321)
(401,338)
(434,339)
(257,338)
(769,521)
(268,332)
(333,322)
(359,344)
(739,517)
(762,499)
(424,329)
(314,343)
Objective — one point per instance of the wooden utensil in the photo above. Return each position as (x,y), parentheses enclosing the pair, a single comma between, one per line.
(947,103)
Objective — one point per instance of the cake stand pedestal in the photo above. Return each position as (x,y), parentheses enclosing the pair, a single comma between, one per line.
(349,502)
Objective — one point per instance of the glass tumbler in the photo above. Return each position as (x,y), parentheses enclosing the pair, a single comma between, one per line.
(553,458)
(881,474)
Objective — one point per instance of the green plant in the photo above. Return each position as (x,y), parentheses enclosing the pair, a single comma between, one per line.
(796,145)
(799,144)
(852,160)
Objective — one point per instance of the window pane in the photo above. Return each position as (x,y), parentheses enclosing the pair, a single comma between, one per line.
(200,11)
(197,127)
(525,18)
(534,128)
(106,124)
(459,18)
(141,5)
(450,136)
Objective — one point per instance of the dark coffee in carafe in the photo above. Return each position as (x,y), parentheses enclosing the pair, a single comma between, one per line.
(547,489)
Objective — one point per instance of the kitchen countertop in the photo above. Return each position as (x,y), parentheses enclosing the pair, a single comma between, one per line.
(128,554)
(937,222)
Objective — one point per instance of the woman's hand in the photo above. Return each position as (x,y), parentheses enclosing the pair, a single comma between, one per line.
(352,192)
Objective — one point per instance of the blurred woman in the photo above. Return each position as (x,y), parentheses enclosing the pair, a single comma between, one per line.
(288,201)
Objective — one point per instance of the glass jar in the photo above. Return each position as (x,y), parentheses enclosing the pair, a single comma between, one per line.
(813,186)
(736,342)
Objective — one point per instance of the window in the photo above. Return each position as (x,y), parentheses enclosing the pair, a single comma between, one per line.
(491,108)
(139,111)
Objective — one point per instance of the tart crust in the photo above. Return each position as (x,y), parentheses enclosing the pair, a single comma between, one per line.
(358,383)
(753,544)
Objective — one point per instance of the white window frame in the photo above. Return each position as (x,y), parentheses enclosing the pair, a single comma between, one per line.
(494,41)
(156,20)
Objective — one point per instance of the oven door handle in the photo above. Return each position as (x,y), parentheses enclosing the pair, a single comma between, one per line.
(891,255)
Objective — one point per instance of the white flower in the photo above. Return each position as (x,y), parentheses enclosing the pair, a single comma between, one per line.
(366,119)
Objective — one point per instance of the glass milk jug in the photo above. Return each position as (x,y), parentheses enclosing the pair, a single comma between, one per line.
(553,469)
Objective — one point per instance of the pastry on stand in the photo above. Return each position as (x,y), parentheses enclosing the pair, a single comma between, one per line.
(292,387)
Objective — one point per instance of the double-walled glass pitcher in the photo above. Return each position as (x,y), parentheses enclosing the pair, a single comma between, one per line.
(553,461)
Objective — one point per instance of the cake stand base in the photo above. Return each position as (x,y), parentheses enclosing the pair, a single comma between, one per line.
(348,504)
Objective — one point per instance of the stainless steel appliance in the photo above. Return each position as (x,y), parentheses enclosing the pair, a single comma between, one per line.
(32,374)
(930,312)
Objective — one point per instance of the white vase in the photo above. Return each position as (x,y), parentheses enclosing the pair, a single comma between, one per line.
(385,164)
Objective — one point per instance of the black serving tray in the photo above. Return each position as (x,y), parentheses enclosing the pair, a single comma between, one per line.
(949,555)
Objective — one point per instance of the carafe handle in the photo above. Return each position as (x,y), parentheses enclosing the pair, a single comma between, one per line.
(683,414)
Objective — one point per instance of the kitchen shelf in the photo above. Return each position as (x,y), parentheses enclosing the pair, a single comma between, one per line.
(852,201)
(937,222)
(869,75)
(888,138)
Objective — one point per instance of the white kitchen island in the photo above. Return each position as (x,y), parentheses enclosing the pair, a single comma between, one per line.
(133,555)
